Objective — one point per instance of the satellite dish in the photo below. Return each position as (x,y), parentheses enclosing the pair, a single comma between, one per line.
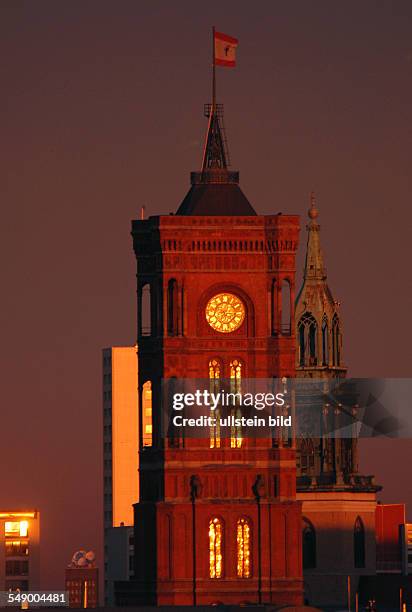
(90,556)
(80,554)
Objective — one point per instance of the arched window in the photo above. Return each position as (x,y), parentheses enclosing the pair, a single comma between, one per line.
(236,373)
(244,548)
(146,310)
(308,544)
(325,341)
(307,454)
(215,367)
(172,308)
(215,548)
(359,543)
(147,413)
(307,333)
(236,439)
(335,341)
(286,308)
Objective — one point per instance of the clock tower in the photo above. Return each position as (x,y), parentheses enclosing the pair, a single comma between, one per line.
(218,520)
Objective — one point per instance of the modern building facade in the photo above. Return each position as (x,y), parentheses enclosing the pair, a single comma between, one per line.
(120,456)
(19,550)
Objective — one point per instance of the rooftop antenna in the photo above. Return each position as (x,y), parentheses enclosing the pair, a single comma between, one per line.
(142,212)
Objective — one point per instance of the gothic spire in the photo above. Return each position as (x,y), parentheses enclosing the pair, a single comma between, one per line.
(314,268)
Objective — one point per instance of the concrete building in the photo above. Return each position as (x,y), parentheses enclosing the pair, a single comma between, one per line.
(120,456)
(19,550)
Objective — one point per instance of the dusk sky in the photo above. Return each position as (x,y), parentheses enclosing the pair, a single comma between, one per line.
(102,112)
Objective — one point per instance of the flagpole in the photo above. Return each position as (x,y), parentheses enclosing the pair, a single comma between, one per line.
(214,71)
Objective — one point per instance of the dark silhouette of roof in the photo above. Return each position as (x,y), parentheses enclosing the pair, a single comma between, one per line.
(216,199)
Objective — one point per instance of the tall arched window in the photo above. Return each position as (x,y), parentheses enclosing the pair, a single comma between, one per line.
(359,543)
(147,413)
(236,373)
(214,370)
(214,376)
(236,439)
(215,548)
(244,548)
(307,454)
(335,340)
(286,308)
(308,544)
(307,333)
(325,341)
(172,308)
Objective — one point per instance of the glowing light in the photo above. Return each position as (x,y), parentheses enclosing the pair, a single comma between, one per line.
(214,375)
(225,312)
(243,548)
(16,528)
(24,528)
(17,514)
(215,548)
(236,439)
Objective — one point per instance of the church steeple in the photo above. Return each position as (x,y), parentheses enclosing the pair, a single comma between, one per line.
(314,268)
(318,322)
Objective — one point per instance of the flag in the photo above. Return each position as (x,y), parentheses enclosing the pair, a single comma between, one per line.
(225,50)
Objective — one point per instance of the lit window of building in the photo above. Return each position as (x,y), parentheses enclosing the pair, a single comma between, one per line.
(215,548)
(236,439)
(243,548)
(214,376)
(19,539)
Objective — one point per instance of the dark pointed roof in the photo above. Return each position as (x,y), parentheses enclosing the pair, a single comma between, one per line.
(215,190)
(215,199)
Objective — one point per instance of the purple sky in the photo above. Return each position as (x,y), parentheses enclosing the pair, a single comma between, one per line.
(101,112)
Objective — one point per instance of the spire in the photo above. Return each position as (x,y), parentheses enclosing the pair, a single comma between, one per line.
(215,154)
(314,268)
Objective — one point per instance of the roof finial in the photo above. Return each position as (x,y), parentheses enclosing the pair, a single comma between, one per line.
(313,211)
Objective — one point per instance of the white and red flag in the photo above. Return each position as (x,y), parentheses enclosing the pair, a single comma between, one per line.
(225,50)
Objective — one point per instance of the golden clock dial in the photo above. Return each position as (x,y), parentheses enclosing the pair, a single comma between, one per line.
(225,312)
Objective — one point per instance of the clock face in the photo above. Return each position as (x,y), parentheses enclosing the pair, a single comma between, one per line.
(225,312)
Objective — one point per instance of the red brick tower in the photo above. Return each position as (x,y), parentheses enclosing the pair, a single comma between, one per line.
(218,519)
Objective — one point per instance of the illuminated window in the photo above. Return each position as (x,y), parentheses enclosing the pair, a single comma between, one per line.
(236,430)
(215,548)
(214,369)
(214,376)
(147,414)
(235,372)
(235,387)
(16,528)
(243,540)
